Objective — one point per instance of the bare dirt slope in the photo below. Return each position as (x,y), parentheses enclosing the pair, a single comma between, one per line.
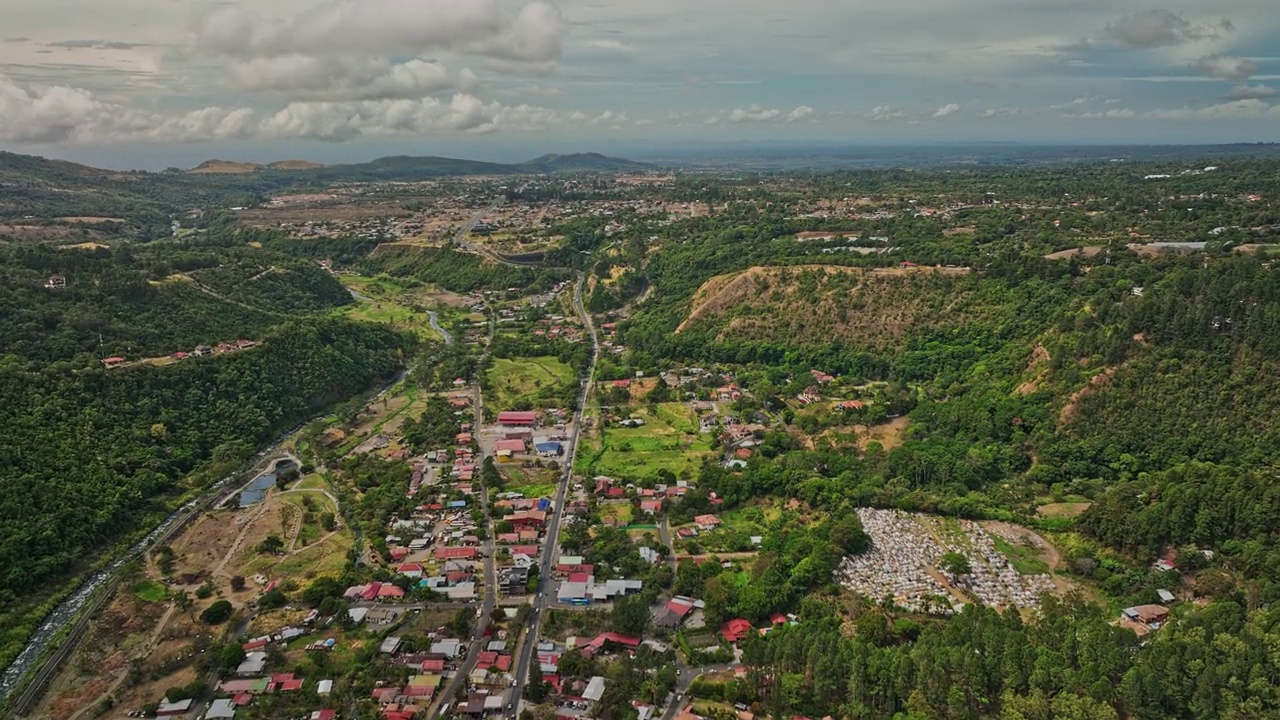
(816,303)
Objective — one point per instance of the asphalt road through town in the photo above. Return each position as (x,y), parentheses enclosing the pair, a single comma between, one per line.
(551,544)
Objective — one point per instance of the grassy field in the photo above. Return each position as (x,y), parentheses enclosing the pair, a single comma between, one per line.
(534,482)
(1062,509)
(619,512)
(667,441)
(150,591)
(325,558)
(311,529)
(392,303)
(1025,560)
(521,381)
(314,481)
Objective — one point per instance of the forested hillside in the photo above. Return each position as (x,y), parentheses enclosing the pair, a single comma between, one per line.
(457,271)
(1026,378)
(147,302)
(94,455)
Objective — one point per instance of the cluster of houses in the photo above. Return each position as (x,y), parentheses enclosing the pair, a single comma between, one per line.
(577,694)
(197,351)
(251,679)
(552,327)
(813,394)
(407,699)
(579,586)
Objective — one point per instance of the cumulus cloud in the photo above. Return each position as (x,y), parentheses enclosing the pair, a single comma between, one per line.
(1161,28)
(1082,101)
(533,34)
(57,114)
(610,119)
(337,122)
(1250,92)
(885,113)
(1115,114)
(306,77)
(945,110)
(799,114)
(1226,67)
(1239,110)
(1250,109)
(1002,112)
(63,115)
(44,116)
(755,113)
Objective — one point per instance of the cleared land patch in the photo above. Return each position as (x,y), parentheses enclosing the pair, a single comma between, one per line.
(815,303)
(517,383)
(666,441)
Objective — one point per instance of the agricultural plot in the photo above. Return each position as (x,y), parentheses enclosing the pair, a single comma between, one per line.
(523,383)
(668,440)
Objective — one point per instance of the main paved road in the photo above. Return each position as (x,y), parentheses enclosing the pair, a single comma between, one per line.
(487,547)
(551,544)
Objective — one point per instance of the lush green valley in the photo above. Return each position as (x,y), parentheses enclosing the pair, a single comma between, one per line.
(1088,354)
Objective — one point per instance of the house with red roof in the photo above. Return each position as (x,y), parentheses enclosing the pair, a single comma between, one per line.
(513,446)
(390,592)
(112,362)
(735,630)
(595,644)
(518,418)
(707,522)
(569,569)
(653,507)
(528,518)
(456,553)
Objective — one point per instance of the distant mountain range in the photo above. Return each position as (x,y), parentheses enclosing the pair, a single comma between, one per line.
(402,167)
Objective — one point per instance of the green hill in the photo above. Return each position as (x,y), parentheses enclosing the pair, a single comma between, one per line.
(582,162)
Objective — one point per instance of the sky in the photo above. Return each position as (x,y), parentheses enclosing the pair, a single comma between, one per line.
(151,83)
